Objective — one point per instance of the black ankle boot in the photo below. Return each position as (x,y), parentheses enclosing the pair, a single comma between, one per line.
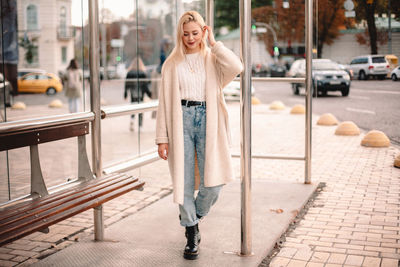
(193,240)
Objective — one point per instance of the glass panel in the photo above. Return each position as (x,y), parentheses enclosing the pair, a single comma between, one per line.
(135,45)
(34,59)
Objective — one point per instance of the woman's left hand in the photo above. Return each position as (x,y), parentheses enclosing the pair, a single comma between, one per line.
(211,39)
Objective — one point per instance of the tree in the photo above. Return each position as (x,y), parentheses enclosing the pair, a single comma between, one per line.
(289,22)
(366,10)
(330,19)
(227,12)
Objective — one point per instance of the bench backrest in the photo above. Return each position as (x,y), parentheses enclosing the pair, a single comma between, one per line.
(11,140)
(34,137)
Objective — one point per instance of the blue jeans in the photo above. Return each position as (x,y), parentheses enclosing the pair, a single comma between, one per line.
(194,133)
(73,104)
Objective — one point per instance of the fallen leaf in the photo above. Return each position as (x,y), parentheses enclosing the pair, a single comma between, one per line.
(277,210)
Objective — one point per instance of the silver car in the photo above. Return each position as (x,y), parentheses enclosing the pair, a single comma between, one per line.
(327,75)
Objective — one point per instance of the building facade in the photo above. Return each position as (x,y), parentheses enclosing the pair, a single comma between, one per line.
(45,34)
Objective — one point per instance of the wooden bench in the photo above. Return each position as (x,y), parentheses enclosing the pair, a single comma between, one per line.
(41,209)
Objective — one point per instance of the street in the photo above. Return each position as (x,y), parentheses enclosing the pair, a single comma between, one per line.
(371,104)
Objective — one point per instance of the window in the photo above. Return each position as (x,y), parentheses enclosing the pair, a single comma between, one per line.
(30,77)
(64,54)
(63,21)
(378,60)
(31,18)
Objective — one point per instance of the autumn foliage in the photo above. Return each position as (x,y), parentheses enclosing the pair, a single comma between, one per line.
(289,23)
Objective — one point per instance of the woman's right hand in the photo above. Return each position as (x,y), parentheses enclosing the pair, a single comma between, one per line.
(163,151)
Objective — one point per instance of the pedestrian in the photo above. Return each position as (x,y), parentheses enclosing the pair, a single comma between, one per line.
(73,86)
(137,86)
(192,129)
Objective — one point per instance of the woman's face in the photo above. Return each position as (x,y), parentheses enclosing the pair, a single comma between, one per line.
(192,35)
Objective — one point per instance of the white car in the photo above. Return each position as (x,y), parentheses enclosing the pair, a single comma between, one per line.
(395,74)
(232,90)
(367,66)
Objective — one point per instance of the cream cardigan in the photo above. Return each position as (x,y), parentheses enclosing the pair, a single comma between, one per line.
(222,66)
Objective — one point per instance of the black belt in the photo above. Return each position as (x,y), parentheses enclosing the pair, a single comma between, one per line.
(189,103)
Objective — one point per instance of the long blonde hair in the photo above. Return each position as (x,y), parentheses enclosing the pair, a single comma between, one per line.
(178,53)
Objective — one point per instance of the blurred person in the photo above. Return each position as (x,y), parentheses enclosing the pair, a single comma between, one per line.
(73,86)
(192,130)
(156,74)
(136,89)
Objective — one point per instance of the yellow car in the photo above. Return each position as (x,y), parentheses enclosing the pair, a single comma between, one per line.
(36,82)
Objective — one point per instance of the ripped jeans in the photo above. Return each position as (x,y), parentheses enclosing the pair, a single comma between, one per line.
(194,128)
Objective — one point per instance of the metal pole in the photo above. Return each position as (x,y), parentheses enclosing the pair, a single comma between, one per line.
(210,13)
(390,28)
(95,107)
(309,45)
(245,127)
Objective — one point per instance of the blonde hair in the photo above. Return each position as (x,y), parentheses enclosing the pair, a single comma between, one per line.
(137,64)
(178,53)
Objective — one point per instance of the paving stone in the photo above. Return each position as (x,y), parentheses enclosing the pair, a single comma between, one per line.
(4,256)
(389,263)
(287,252)
(337,258)
(23,253)
(371,262)
(314,264)
(279,262)
(320,257)
(296,263)
(303,254)
(20,259)
(4,263)
(354,260)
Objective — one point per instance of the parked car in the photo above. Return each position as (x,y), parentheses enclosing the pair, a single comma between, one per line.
(395,74)
(37,82)
(370,66)
(326,76)
(259,70)
(232,90)
(5,85)
(278,70)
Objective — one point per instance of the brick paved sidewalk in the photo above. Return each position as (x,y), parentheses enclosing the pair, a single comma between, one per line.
(353,222)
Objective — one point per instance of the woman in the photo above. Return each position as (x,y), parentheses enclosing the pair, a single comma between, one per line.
(136,70)
(192,118)
(73,84)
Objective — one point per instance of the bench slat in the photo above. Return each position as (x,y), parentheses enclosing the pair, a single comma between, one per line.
(36,208)
(42,135)
(76,201)
(31,203)
(42,224)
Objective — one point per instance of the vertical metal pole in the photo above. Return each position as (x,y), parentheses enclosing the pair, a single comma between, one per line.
(210,13)
(390,28)
(245,127)
(309,45)
(95,107)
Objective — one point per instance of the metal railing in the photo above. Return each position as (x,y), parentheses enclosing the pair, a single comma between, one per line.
(29,124)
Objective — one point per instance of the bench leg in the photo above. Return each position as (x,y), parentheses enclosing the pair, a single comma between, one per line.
(37,183)
(98,223)
(84,171)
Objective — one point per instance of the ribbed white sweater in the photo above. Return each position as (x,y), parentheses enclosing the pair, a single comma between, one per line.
(192,84)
